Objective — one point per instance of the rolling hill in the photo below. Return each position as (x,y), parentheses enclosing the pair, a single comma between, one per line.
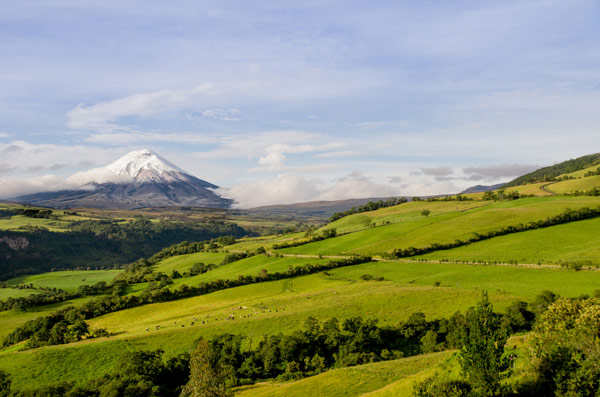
(275,285)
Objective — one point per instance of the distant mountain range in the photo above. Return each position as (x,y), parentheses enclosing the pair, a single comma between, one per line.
(482,188)
(139,179)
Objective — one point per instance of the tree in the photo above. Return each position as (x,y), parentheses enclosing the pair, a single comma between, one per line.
(566,347)
(263,274)
(425,213)
(4,383)
(206,376)
(483,340)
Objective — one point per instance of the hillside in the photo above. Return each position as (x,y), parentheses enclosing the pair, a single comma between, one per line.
(256,287)
(551,172)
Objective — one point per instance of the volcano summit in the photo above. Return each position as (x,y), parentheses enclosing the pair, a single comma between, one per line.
(139,179)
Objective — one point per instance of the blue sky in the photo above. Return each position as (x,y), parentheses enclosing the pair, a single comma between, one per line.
(303,100)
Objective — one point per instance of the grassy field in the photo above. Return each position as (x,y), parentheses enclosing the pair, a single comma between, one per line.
(445,227)
(11,319)
(531,188)
(67,280)
(567,243)
(353,381)
(18,221)
(248,267)
(251,244)
(436,289)
(508,282)
(408,288)
(183,263)
(16,293)
(571,185)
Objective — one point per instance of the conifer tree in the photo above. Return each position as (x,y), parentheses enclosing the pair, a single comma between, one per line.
(483,340)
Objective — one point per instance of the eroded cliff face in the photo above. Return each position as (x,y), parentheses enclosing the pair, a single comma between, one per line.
(15,243)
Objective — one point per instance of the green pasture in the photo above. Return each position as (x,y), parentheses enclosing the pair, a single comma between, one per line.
(581,173)
(17,221)
(569,186)
(400,213)
(253,243)
(352,381)
(445,227)
(530,188)
(68,280)
(288,303)
(507,282)
(16,293)
(567,243)
(282,306)
(183,263)
(248,267)
(11,319)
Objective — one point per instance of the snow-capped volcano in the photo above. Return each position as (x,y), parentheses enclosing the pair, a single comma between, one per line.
(144,166)
(139,179)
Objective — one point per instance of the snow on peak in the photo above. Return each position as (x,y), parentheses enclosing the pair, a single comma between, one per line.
(134,164)
(137,166)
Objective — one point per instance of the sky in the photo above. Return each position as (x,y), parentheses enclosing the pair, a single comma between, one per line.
(287,101)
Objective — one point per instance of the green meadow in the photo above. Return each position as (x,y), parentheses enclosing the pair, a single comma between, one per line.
(444,227)
(248,267)
(282,306)
(183,263)
(19,221)
(16,293)
(567,243)
(569,186)
(352,381)
(68,280)
(11,319)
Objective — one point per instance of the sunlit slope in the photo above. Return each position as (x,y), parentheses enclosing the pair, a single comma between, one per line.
(183,263)
(445,227)
(568,243)
(16,293)
(537,189)
(11,319)
(66,280)
(572,185)
(400,213)
(247,267)
(282,306)
(581,173)
(352,381)
(251,244)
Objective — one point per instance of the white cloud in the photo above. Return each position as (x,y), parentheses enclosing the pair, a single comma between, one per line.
(293,188)
(274,158)
(14,187)
(285,189)
(103,115)
(221,114)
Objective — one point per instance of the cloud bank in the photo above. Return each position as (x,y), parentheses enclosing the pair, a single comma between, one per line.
(293,188)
